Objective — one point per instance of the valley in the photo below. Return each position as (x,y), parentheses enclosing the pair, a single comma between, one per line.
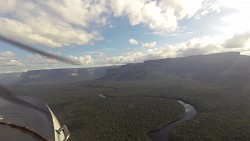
(217,86)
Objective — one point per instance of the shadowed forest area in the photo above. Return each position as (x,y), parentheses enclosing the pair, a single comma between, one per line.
(222,115)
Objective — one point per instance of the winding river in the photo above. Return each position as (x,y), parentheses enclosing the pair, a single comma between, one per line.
(163,133)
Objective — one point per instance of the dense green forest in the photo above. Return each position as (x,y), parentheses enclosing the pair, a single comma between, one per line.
(110,119)
(90,117)
(223,111)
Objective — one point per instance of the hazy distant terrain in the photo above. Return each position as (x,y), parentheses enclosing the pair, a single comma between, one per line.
(217,85)
(53,76)
(219,67)
(7,79)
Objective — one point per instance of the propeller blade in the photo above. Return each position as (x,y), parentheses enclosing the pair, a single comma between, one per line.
(40,52)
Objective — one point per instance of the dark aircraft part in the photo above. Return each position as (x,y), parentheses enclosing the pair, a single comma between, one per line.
(16,133)
(20,113)
(65,131)
(38,123)
(22,116)
(40,52)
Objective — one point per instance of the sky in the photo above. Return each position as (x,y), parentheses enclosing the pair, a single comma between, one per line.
(115,32)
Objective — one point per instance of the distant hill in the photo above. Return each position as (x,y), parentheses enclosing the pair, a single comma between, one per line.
(229,68)
(223,67)
(63,75)
(7,79)
(52,76)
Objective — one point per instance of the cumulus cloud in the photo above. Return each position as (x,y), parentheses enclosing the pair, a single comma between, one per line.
(195,46)
(236,21)
(8,55)
(40,22)
(78,12)
(209,6)
(238,40)
(8,58)
(171,51)
(149,45)
(9,62)
(7,6)
(31,62)
(84,60)
(132,41)
(162,16)
(62,23)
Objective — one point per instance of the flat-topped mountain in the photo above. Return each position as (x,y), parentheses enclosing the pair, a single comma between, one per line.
(229,66)
(80,74)
(53,76)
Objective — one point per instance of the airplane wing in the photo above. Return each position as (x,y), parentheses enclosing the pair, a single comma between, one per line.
(29,119)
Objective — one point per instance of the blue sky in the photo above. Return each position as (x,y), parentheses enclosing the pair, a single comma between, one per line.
(112,32)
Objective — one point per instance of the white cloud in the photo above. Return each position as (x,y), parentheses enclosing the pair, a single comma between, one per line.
(195,46)
(42,23)
(102,55)
(149,45)
(7,55)
(130,57)
(208,6)
(8,58)
(84,60)
(162,16)
(9,62)
(237,21)
(50,35)
(7,6)
(178,50)
(238,41)
(60,23)
(78,12)
(132,41)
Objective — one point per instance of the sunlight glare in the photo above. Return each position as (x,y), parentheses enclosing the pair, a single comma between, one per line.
(238,22)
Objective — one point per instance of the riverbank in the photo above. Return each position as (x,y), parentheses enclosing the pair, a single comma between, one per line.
(162,134)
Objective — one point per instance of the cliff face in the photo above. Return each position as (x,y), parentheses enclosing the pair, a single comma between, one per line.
(64,74)
(201,67)
(52,76)
(224,67)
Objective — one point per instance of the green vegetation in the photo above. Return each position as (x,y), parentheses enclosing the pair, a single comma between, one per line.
(90,117)
(223,111)
(110,119)
(217,85)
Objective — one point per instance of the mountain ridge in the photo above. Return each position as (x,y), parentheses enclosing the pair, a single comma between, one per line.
(48,76)
(211,67)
